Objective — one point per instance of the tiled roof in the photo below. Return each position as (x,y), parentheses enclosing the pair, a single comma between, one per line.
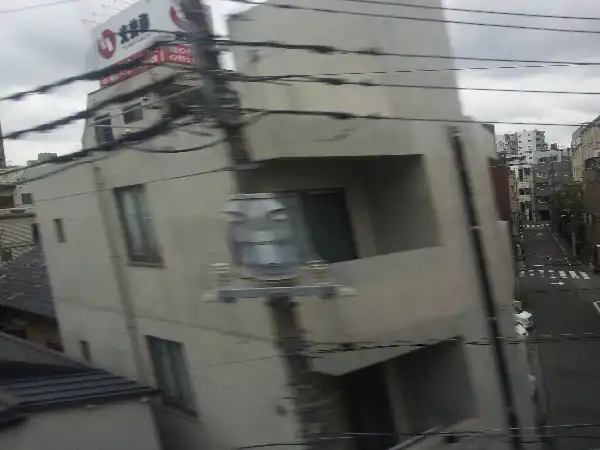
(24,284)
(67,390)
(34,378)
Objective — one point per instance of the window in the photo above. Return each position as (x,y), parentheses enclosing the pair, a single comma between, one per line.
(171,372)
(27,199)
(86,351)
(7,201)
(103,129)
(59,230)
(35,233)
(133,113)
(138,226)
(323,225)
(6,254)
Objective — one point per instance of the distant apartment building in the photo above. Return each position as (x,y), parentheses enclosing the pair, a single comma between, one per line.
(585,144)
(549,178)
(130,240)
(527,143)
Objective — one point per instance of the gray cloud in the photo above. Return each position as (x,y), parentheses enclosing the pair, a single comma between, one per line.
(534,45)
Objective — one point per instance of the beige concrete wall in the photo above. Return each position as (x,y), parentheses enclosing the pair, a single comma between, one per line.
(119,426)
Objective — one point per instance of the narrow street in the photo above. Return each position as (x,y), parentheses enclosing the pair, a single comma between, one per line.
(552,288)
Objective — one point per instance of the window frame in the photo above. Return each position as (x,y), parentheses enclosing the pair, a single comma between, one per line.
(303,230)
(59,230)
(6,254)
(86,351)
(159,349)
(103,128)
(132,109)
(151,254)
(27,195)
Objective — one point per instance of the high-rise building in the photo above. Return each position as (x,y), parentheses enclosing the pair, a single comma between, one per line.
(528,143)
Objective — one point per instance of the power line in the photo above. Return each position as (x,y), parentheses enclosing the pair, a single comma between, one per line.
(38,6)
(89,112)
(353,346)
(457,434)
(469,10)
(338,81)
(385,72)
(332,50)
(341,115)
(93,75)
(413,18)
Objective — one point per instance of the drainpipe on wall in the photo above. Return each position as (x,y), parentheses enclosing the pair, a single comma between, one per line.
(489,305)
(107,217)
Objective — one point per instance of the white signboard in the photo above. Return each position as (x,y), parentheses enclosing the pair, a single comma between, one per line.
(134,30)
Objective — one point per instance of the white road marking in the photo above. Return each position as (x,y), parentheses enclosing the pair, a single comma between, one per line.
(573,274)
(562,274)
(553,277)
(541,272)
(522,274)
(551,270)
(596,305)
(585,275)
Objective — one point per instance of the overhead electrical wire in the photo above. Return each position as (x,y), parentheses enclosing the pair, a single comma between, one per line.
(324,49)
(413,18)
(91,111)
(342,115)
(468,10)
(338,81)
(38,6)
(93,75)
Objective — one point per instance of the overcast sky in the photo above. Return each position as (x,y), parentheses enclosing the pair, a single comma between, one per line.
(51,43)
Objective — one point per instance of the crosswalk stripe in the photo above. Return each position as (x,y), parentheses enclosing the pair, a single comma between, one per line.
(522,274)
(562,274)
(585,275)
(573,274)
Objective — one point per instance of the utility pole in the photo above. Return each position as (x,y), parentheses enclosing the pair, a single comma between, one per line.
(264,248)
(269,253)
(216,95)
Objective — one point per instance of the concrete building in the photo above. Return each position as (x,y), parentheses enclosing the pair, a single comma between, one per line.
(585,144)
(50,402)
(130,238)
(525,179)
(549,178)
(17,217)
(506,193)
(528,143)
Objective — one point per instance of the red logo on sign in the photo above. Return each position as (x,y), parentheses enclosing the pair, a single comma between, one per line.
(107,44)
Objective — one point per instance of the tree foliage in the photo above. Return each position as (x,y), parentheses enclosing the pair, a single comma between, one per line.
(570,199)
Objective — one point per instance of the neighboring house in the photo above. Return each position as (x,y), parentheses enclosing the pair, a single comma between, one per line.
(130,239)
(18,229)
(549,178)
(26,306)
(51,402)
